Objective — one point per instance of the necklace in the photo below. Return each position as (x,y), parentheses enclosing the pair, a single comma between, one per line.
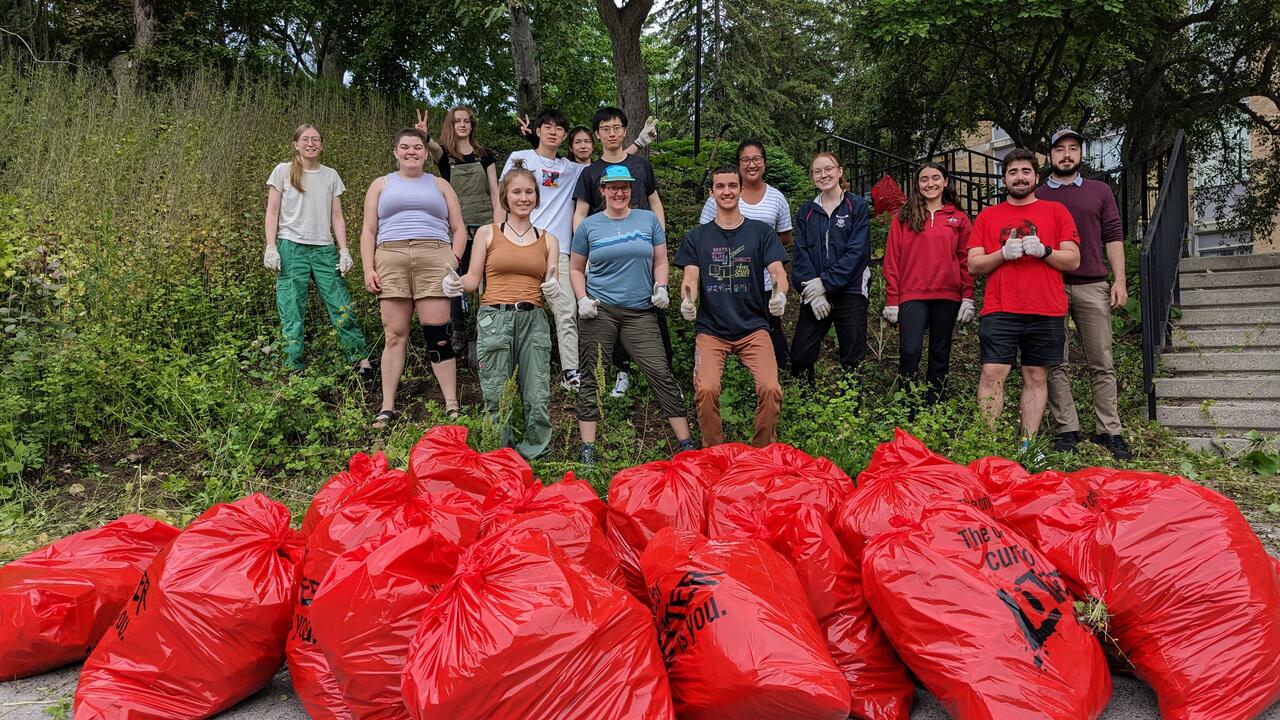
(518,233)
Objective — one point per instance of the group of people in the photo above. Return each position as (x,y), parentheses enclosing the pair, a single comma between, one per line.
(582,243)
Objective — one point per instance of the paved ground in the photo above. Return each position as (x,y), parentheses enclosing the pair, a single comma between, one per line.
(28,699)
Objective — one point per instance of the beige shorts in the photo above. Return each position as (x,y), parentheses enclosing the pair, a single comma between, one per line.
(413,269)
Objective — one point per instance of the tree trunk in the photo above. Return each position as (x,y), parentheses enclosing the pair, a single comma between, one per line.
(144,25)
(624,25)
(528,72)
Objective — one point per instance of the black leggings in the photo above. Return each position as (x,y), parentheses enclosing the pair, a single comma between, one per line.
(938,317)
(849,315)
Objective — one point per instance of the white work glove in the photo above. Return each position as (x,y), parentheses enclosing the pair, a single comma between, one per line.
(344,261)
(271,258)
(688,310)
(648,133)
(966,311)
(452,284)
(1012,249)
(660,298)
(810,289)
(588,308)
(820,307)
(777,303)
(1032,246)
(891,314)
(550,287)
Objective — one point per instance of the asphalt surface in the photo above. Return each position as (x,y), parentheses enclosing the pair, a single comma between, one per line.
(28,699)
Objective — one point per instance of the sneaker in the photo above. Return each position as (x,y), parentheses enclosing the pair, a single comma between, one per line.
(587,454)
(686,444)
(1116,445)
(1067,442)
(370,380)
(620,385)
(571,380)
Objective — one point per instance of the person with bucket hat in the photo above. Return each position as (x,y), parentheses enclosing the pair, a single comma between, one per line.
(618,270)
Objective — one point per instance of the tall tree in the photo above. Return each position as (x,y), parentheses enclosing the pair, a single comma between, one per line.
(525,52)
(625,21)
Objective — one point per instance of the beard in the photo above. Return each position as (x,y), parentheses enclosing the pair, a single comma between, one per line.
(1066,168)
(1021,191)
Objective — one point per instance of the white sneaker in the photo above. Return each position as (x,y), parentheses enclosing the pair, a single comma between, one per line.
(620,385)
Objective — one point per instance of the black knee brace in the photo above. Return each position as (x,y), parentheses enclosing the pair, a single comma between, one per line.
(439,340)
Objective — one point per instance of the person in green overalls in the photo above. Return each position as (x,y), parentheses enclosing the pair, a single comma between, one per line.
(469,167)
(304,216)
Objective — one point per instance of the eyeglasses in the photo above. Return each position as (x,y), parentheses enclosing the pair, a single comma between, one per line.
(618,190)
(310,140)
(753,160)
(616,127)
(828,170)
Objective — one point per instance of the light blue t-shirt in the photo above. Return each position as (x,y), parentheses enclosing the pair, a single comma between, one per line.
(620,256)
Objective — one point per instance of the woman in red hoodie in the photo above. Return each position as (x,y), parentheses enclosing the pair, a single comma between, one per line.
(926,276)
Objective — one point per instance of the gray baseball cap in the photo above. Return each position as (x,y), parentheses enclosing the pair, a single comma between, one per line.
(1065,133)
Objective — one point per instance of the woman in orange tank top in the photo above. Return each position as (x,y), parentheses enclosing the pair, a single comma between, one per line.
(517,265)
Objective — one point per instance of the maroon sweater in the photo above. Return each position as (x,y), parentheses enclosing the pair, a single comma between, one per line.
(1093,207)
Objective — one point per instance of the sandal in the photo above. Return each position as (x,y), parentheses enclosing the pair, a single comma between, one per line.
(453,412)
(384,418)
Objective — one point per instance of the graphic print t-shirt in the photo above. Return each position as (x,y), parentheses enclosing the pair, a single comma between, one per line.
(588,188)
(556,180)
(731,298)
(1026,286)
(620,257)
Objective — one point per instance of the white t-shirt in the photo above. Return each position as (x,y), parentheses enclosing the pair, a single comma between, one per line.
(556,180)
(772,210)
(304,216)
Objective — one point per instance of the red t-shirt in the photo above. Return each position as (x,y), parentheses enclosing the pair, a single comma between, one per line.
(1026,286)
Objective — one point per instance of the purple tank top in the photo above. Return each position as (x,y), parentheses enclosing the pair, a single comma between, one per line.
(412,210)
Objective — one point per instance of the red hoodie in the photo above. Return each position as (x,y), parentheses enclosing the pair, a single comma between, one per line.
(931,264)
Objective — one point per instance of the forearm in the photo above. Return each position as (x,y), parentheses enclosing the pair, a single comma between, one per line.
(985,264)
(655,204)
(366,248)
(459,239)
(779,275)
(271,228)
(1064,259)
(1115,257)
(661,268)
(578,275)
(689,283)
(340,231)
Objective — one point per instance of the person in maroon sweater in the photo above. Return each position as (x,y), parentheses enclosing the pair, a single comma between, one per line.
(927,286)
(1025,245)
(1089,297)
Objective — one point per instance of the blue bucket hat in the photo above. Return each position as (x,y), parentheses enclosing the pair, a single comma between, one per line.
(616,173)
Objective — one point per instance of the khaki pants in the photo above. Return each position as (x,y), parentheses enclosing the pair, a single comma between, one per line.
(638,332)
(1090,307)
(564,308)
(516,342)
(756,353)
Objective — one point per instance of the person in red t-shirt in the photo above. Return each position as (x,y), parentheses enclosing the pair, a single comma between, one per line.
(1025,245)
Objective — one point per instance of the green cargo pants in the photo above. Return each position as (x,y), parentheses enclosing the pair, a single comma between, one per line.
(517,342)
(298,264)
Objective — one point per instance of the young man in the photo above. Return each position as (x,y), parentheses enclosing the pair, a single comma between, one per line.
(723,261)
(610,126)
(1089,298)
(557,177)
(619,272)
(1025,245)
(766,203)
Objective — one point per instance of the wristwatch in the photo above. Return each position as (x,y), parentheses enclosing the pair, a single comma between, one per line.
(1047,252)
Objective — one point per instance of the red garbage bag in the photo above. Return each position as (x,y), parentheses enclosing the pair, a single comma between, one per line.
(878,683)
(522,631)
(737,634)
(56,602)
(887,197)
(581,492)
(778,473)
(983,619)
(569,524)
(443,461)
(205,626)
(386,503)
(368,609)
(1193,596)
(722,456)
(647,498)
(1018,497)
(361,469)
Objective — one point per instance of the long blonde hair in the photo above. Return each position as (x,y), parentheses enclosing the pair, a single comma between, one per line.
(449,140)
(295,165)
(518,170)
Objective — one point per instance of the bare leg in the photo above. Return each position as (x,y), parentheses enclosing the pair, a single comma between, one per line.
(395,326)
(1035,393)
(991,392)
(587,428)
(680,426)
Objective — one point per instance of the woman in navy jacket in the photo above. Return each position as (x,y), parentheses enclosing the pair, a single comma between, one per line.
(830,266)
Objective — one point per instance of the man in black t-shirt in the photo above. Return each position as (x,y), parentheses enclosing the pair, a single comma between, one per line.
(724,261)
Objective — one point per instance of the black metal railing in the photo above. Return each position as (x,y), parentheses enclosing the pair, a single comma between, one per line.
(1163,245)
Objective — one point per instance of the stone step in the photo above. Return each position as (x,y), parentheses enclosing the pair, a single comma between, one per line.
(1232,279)
(1217,363)
(1244,387)
(1215,297)
(1242,338)
(1225,416)
(1219,445)
(1243,315)
(1229,262)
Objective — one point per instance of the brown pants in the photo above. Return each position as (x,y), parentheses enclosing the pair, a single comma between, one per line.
(756,352)
(1090,307)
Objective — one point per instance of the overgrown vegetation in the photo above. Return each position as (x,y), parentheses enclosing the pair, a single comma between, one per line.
(140,370)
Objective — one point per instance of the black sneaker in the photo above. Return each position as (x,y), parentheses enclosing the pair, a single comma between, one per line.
(587,454)
(1115,444)
(370,380)
(686,444)
(1067,442)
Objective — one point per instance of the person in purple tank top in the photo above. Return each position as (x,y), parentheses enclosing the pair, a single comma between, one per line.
(412,237)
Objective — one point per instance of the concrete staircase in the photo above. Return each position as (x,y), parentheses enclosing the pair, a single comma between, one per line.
(1225,359)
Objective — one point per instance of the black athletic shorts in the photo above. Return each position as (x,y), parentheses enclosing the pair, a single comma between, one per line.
(1039,339)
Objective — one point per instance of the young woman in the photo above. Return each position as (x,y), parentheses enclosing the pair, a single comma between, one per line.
(304,215)
(581,145)
(517,264)
(413,235)
(926,275)
(830,267)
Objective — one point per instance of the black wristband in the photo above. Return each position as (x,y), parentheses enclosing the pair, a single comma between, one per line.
(1047,251)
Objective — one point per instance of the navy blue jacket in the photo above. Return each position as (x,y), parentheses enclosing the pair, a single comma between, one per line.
(836,248)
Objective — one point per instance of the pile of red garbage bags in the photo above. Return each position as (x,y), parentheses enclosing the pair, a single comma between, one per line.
(732,582)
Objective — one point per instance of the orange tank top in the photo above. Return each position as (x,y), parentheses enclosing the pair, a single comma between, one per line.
(514,273)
